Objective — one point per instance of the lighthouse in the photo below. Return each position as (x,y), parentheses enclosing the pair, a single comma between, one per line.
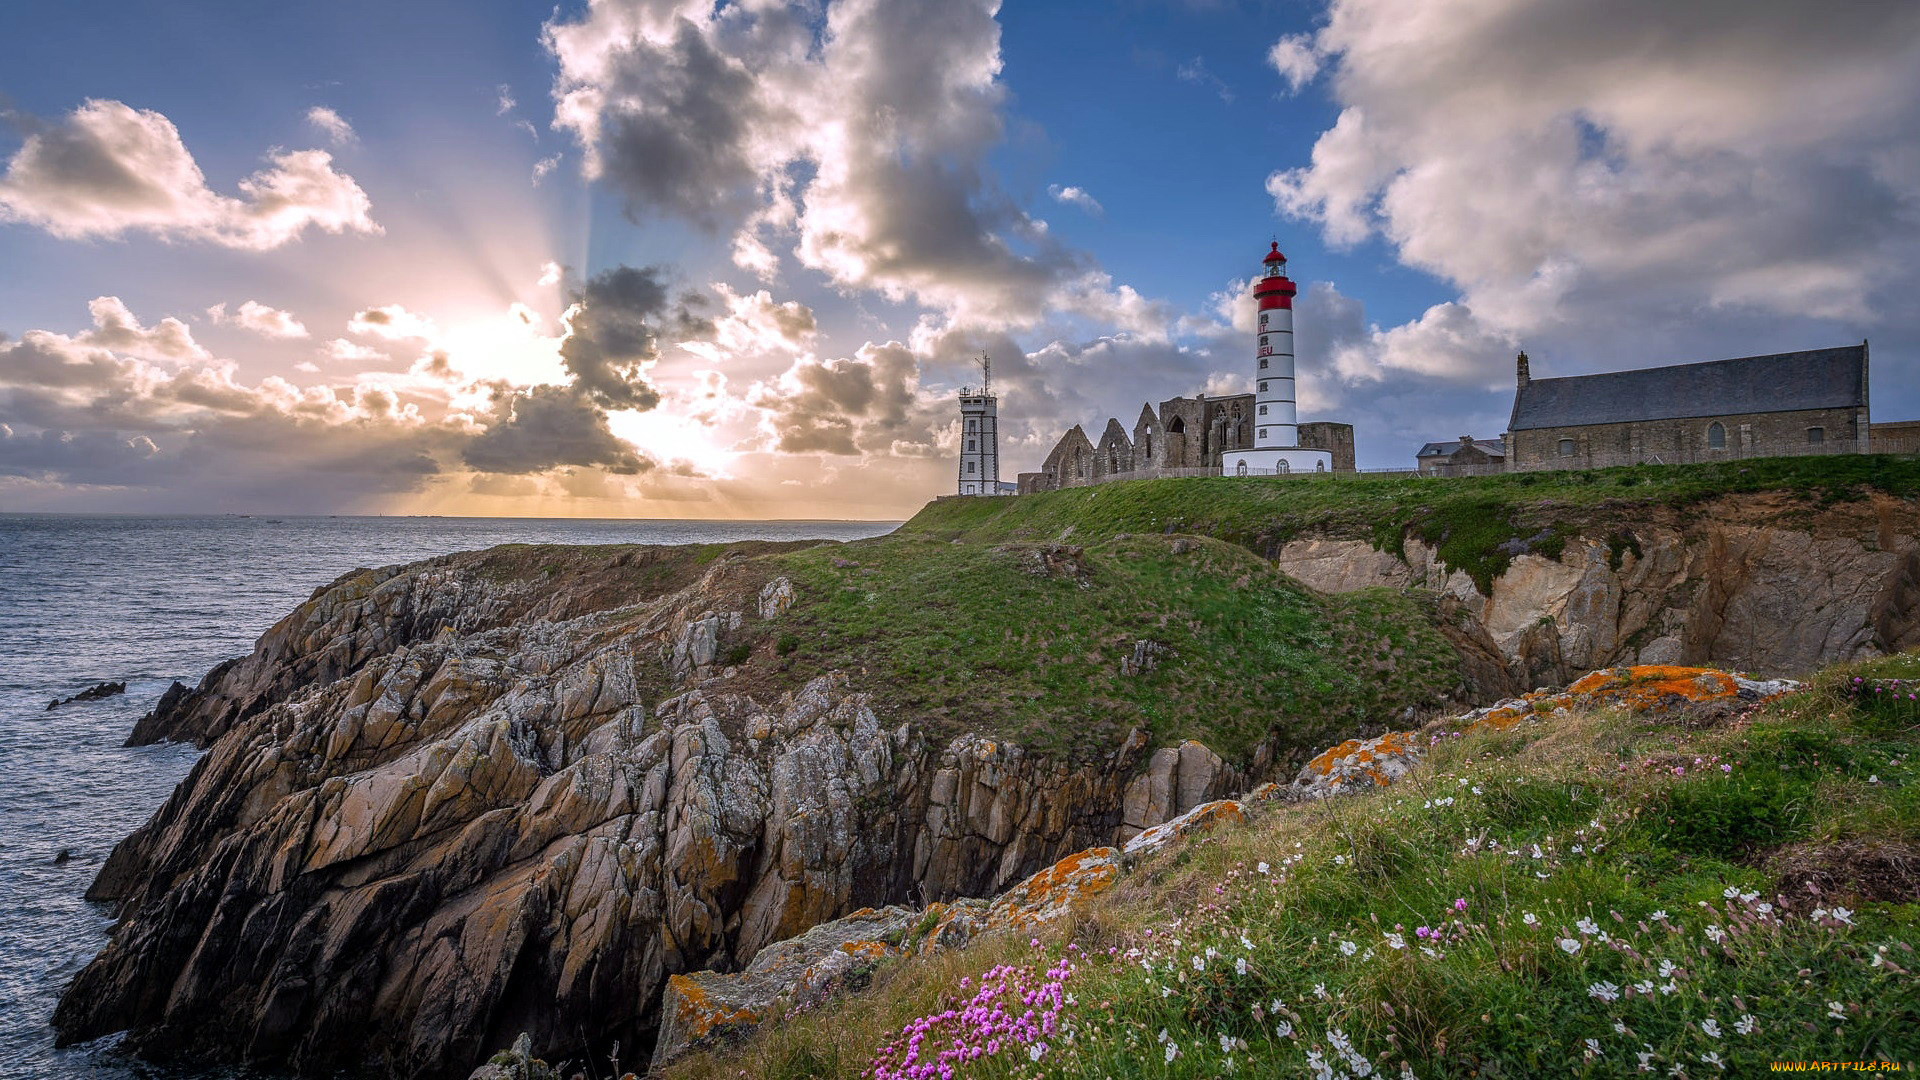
(1276,433)
(980,436)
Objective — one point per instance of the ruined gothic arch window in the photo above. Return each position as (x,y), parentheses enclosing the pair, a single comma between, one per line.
(1178,426)
(1716,436)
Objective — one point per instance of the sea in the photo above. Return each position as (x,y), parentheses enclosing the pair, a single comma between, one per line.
(147,601)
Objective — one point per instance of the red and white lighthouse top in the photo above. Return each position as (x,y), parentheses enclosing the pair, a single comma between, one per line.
(1274,290)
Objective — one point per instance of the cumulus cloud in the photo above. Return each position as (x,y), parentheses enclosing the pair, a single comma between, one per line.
(544,427)
(115,327)
(259,318)
(107,169)
(331,124)
(1673,168)
(613,329)
(1296,59)
(859,141)
(1074,196)
(844,406)
(392,322)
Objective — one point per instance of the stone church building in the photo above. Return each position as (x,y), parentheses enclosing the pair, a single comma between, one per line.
(1183,437)
(1808,402)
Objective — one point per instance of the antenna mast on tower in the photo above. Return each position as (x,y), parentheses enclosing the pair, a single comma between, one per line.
(986,373)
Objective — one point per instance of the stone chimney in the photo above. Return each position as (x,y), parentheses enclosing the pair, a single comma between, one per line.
(1520,369)
(1466,440)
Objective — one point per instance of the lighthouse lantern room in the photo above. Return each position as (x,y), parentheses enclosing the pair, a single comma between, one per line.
(1276,434)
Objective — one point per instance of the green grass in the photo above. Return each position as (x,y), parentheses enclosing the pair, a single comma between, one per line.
(1561,863)
(1477,522)
(1027,643)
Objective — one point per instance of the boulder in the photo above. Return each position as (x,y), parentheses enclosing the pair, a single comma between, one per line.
(708,1006)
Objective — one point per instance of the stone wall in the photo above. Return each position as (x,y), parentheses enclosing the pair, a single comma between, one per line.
(1896,438)
(1670,442)
(1328,435)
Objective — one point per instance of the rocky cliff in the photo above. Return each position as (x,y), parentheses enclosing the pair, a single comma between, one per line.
(1762,583)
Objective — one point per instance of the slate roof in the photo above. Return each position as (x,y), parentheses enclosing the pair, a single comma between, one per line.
(1495,447)
(1781,382)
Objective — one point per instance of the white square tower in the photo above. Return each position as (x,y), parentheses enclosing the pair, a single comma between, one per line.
(980,436)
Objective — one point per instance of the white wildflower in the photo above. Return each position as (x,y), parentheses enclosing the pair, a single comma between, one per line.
(1593,1047)
(1587,926)
(1667,968)
(1836,1011)
(1713,1059)
(1619,1027)
(1669,987)
(1348,948)
(1530,918)
(1262,868)
(1034,1051)
(1569,946)
(1240,966)
(1246,942)
(1604,991)
(1320,991)
(1537,853)
(1396,940)
(1226,1043)
(1716,935)
(1763,908)
(1163,1035)
(1659,916)
(1746,1024)
(1173,1051)
(1730,891)
(1711,1027)
(1283,1030)
(1199,964)
(1644,986)
(1843,915)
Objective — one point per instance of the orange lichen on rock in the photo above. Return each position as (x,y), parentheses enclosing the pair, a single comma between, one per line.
(696,1011)
(1647,689)
(867,950)
(1199,819)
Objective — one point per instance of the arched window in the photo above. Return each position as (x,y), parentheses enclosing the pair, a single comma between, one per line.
(1816,435)
(1240,469)
(1716,436)
(1566,447)
(1285,466)
(1177,426)
(1319,466)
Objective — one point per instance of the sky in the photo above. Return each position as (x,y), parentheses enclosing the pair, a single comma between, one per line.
(667,258)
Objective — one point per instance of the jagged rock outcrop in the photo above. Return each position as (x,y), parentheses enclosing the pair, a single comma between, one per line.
(1700,694)
(1745,584)
(410,843)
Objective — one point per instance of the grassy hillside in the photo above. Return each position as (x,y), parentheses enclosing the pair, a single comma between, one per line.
(1469,518)
(1586,895)
(1027,641)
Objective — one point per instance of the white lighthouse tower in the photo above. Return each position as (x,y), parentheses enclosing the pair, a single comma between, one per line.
(1276,436)
(980,436)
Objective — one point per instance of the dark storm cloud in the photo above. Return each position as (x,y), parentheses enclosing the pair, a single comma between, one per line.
(673,138)
(614,330)
(544,427)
